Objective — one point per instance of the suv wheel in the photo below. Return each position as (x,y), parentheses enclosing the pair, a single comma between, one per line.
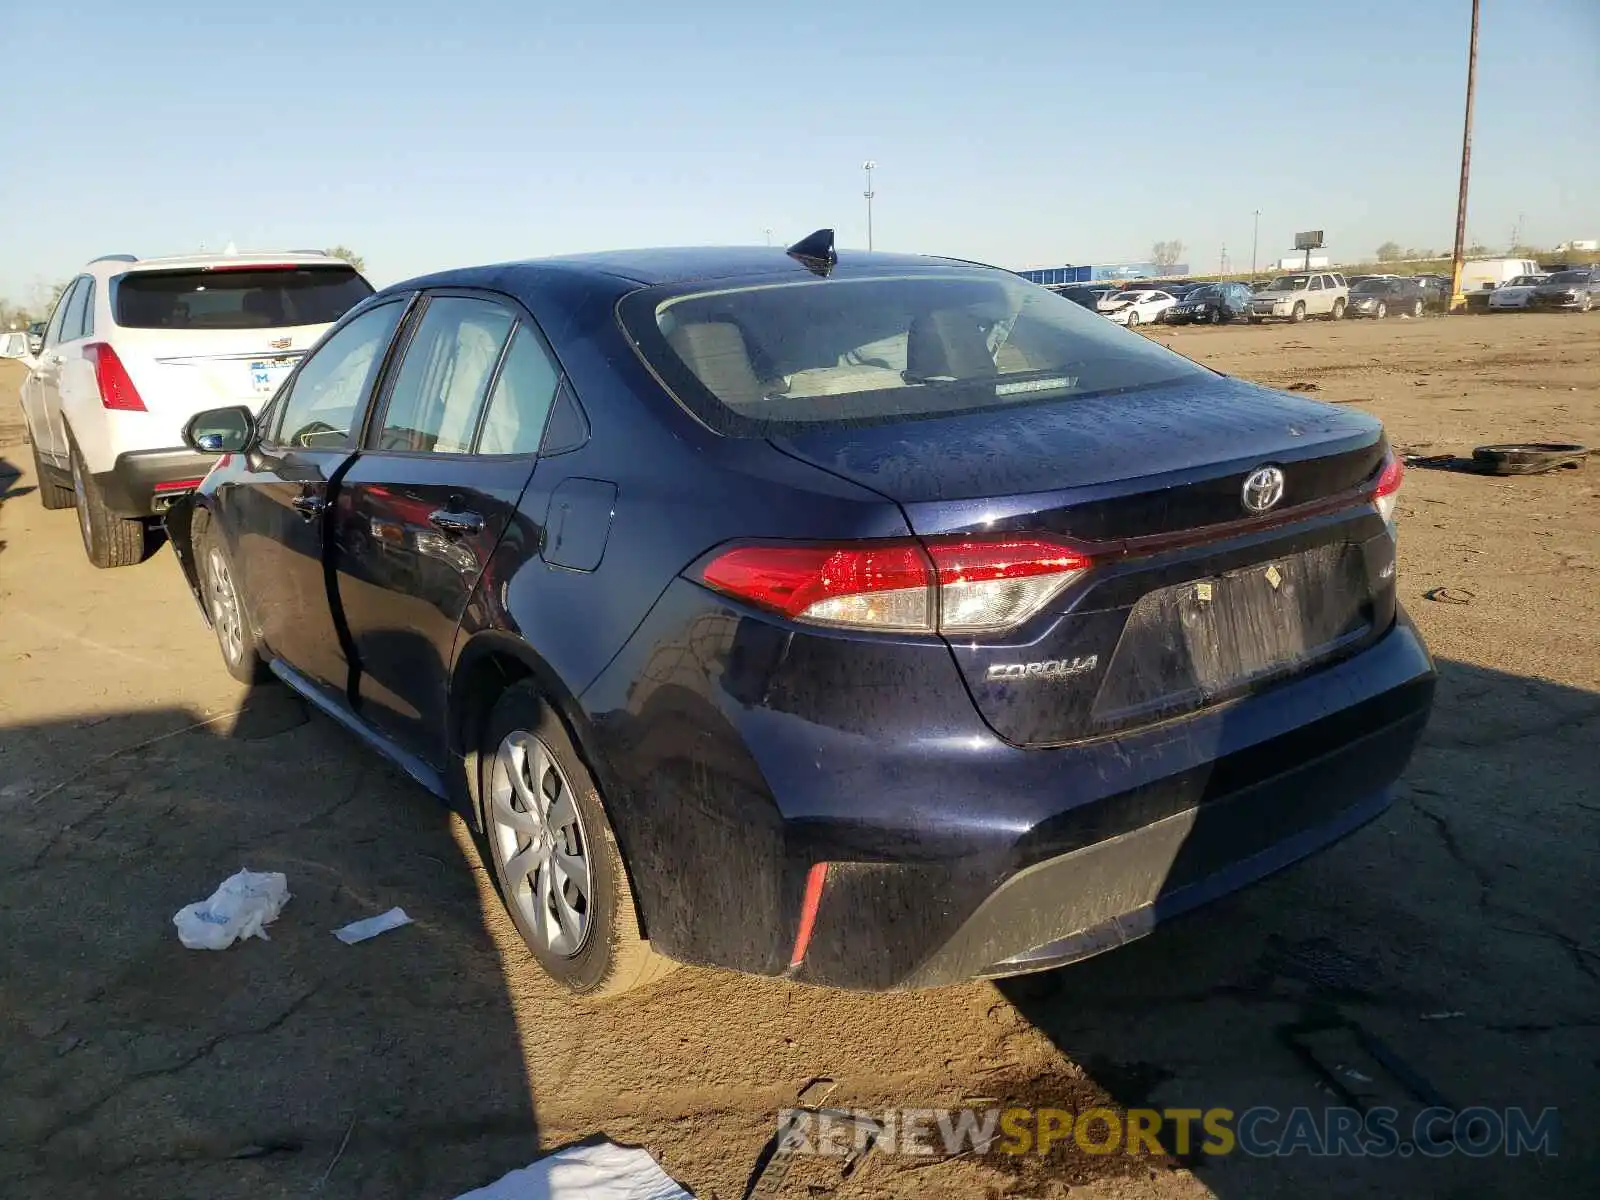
(1585,302)
(553,853)
(108,539)
(1216,316)
(1381,311)
(1338,309)
(1299,313)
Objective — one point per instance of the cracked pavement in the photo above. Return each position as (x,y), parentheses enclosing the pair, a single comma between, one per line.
(134,775)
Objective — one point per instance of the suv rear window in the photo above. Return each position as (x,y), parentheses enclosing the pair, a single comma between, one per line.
(264,298)
(758,358)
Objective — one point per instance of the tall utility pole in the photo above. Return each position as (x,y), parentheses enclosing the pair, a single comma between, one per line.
(769,236)
(1457,300)
(1255,236)
(1222,262)
(867,167)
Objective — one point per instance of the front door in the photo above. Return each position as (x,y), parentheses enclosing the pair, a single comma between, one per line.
(42,394)
(422,508)
(279,511)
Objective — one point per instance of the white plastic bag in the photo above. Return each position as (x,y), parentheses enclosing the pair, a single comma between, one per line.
(239,908)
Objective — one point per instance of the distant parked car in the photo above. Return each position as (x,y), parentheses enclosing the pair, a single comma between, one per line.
(1515,294)
(14,345)
(1092,298)
(1296,297)
(1435,290)
(1385,295)
(1142,308)
(136,347)
(1578,291)
(1212,304)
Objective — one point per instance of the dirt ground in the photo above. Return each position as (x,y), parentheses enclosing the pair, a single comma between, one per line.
(1460,928)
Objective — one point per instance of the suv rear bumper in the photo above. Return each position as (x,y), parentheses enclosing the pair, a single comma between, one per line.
(144,483)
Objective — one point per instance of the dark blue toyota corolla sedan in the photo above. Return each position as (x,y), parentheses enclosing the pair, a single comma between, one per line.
(873,620)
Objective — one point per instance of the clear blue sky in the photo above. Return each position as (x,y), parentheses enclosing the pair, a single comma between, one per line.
(427,135)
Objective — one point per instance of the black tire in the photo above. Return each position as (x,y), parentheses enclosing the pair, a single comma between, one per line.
(236,638)
(109,540)
(1416,309)
(52,495)
(1528,458)
(612,957)
(1381,311)
(1299,313)
(1585,302)
(1253,319)
(1133,320)
(1337,313)
(1217,317)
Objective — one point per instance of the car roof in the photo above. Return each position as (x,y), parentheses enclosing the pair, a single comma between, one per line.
(685,264)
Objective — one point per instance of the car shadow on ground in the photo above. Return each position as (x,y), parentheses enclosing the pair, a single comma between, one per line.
(135,1067)
(1456,933)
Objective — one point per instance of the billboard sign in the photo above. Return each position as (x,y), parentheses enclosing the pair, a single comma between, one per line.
(1310,240)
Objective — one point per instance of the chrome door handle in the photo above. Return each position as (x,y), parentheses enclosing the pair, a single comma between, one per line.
(455,524)
(308,506)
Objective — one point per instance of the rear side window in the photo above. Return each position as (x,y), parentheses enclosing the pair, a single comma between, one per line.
(72,319)
(249,298)
(522,396)
(433,407)
(760,358)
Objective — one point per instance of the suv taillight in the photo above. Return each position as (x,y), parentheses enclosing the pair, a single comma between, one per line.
(956,585)
(116,388)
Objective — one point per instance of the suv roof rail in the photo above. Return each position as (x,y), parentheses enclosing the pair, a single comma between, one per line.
(114,258)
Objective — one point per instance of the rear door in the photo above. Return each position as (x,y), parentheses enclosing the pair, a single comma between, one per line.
(42,380)
(279,511)
(65,329)
(444,461)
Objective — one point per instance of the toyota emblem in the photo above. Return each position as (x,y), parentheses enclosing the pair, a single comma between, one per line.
(1263,488)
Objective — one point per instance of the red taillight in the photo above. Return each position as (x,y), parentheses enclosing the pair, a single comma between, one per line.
(882,585)
(177,485)
(1388,484)
(957,585)
(116,388)
(989,585)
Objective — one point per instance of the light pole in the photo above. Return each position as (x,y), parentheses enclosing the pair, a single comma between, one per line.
(867,167)
(769,236)
(1457,300)
(1255,236)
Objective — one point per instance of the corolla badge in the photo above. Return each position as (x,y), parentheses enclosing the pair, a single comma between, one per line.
(1050,668)
(1263,488)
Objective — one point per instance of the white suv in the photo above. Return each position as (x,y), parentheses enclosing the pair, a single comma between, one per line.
(136,347)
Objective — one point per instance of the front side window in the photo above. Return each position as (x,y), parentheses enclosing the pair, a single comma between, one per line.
(1316,283)
(433,407)
(63,310)
(263,297)
(328,393)
(758,358)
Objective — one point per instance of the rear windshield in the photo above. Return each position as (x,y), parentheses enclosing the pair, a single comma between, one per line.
(767,359)
(267,298)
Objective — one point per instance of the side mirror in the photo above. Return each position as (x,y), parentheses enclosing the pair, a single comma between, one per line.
(221,430)
(35,343)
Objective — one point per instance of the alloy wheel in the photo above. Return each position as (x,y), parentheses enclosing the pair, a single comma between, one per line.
(537,836)
(225,615)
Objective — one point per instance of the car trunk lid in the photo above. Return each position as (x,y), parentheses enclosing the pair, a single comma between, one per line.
(1192,598)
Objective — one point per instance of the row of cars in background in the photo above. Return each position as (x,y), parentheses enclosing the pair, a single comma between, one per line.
(1493,285)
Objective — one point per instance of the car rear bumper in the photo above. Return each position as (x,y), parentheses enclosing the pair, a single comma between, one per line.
(1104,871)
(143,483)
(945,853)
